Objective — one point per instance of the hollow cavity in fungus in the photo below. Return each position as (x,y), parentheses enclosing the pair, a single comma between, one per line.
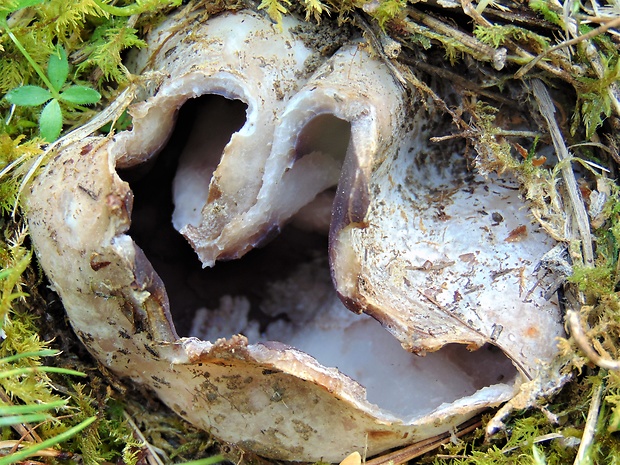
(282,291)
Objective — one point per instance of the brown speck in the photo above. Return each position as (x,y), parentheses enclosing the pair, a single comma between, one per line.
(87,148)
(96,263)
(521,150)
(584,189)
(160,380)
(497,218)
(468,257)
(152,351)
(442,215)
(120,206)
(380,434)
(88,192)
(214,193)
(517,234)
(531,332)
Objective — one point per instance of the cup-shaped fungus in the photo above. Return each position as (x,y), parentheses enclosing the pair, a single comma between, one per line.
(251,136)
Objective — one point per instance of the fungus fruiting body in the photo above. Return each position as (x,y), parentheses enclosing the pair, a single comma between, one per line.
(278,135)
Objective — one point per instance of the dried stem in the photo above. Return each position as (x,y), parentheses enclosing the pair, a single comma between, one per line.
(458,79)
(26,432)
(152,457)
(422,447)
(469,10)
(479,50)
(378,48)
(14,444)
(590,428)
(547,109)
(599,30)
(583,342)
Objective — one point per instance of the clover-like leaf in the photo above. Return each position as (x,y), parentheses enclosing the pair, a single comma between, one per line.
(50,121)
(58,67)
(28,96)
(80,95)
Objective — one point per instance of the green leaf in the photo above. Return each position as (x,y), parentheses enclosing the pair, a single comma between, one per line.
(40,369)
(206,461)
(28,96)
(38,353)
(28,409)
(50,122)
(14,420)
(80,95)
(26,3)
(12,7)
(28,451)
(58,68)
(538,456)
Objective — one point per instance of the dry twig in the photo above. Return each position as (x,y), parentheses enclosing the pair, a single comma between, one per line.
(578,208)
(589,431)
(479,50)
(470,11)
(26,431)
(152,456)
(583,342)
(595,32)
(422,447)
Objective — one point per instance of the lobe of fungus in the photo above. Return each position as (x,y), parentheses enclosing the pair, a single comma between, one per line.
(243,162)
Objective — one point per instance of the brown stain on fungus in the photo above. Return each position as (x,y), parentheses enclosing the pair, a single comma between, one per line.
(87,148)
(380,434)
(96,263)
(532,332)
(214,193)
(517,234)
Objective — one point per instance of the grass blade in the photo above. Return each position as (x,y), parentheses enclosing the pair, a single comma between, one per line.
(38,353)
(26,409)
(207,461)
(33,449)
(26,370)
(17,419)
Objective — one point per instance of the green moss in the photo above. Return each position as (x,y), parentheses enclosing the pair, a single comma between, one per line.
(543,7)
(388,10)
(103,52)
(497,35)
(595,281)
(275,9)
(533,439)
(594,102)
